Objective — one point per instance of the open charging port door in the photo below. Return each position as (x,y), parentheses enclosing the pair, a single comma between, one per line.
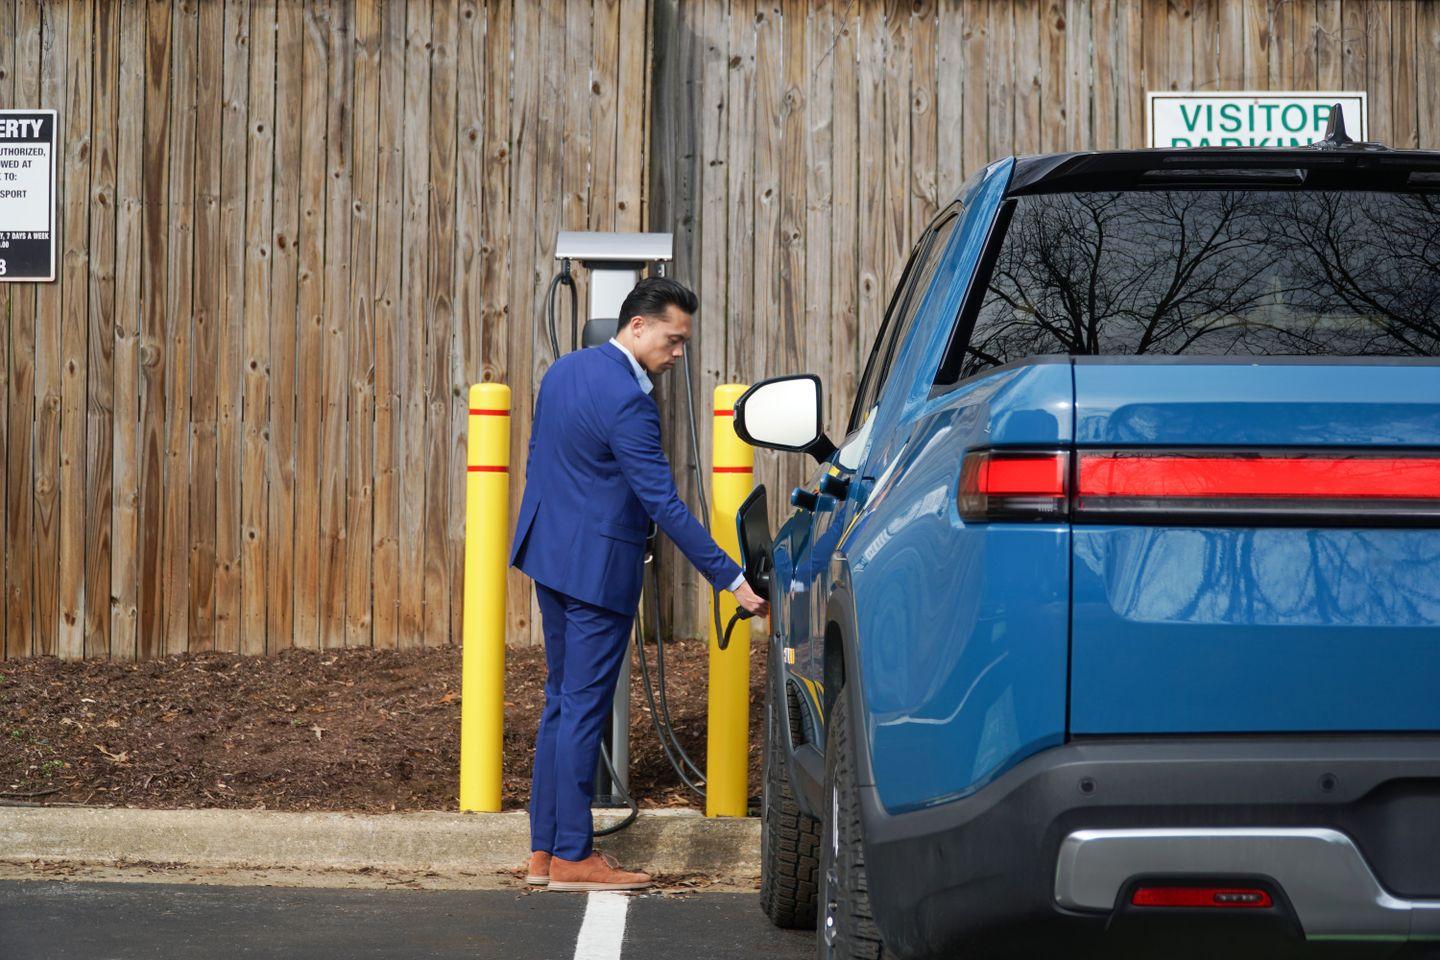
(752,533)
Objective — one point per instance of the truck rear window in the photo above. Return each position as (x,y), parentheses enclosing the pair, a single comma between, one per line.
(1213,272)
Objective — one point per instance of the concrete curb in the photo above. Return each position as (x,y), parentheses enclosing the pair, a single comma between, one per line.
(661,841)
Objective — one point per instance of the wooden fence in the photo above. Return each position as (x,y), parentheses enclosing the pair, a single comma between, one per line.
(291,233)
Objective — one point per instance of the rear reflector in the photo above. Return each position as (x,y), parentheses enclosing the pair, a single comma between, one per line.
(1214,897)
(1013,485)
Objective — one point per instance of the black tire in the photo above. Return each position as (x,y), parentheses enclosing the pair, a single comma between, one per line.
(789,840)
(847,927)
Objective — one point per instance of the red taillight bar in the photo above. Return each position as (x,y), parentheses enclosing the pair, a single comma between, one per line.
(1213,486)
(1116,474)
(1014,485)
(1225,898)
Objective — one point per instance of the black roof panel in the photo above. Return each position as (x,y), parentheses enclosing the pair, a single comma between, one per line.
(1360,166)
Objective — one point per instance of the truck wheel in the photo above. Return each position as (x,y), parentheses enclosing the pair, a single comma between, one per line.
(847,929)
(789,840)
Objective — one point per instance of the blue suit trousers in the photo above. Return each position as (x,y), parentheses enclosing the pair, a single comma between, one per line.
(585,647)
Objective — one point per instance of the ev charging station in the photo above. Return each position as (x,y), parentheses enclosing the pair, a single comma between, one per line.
(615,262)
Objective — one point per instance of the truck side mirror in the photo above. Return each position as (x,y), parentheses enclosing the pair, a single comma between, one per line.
(783,413)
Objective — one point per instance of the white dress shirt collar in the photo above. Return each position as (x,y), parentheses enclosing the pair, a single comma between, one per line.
(641,376)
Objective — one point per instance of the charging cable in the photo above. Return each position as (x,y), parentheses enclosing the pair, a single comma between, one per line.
(564,278)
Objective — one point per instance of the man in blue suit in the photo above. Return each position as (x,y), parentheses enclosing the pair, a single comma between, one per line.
(596,475)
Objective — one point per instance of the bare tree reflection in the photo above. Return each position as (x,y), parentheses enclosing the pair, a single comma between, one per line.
(1214,272)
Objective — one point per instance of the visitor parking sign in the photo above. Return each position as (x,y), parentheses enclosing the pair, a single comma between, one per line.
(1250,118)
(27,195)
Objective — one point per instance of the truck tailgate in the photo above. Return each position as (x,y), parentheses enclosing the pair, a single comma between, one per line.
(1256,546)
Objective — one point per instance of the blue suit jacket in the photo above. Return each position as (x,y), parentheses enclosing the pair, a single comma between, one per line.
(594,473)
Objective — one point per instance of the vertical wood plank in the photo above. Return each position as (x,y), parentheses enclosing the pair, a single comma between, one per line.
(949,97)
(1283,51)
(495,201)
(899,232)
(1129,96)
(389,237)
(1078,60)
(259,226)
(1107,82)
(1154,55)
(153,345)
(769,249)
(1054,26)
(411,331)
(7,101)
(360,415)
(1258,37)
(129,259)
(634,111)
(334,351)
(48,358)
(1180,38)
(873,273)
(230,329)
(1329,44)
(76,122)
(179,316)
(1205,29)
(465,358)
(1380,62)
(214,35)
(845,173)
(1303,32)
(604,111)
(310,363)
(1029,120)
(676,187)
(786,350)
(22,622)
(819,71)
(1427,74)
(104,325)
(524,118)
(976,118)
(1404,95)
(1232,44)
(280,467)
(740,133)
(1354,47)
(1001,42)
(439,325)
(924,146)
(706,354)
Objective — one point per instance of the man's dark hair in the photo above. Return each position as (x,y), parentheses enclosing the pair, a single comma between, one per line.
(653,295)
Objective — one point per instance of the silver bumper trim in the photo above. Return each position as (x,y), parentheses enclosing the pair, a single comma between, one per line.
(1333,890)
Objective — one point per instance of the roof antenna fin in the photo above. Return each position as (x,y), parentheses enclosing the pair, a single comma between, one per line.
(1335,134)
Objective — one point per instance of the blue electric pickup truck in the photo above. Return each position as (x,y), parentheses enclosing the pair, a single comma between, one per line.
(1113,620)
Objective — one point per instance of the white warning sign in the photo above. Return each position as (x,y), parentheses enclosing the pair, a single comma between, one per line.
(27,195)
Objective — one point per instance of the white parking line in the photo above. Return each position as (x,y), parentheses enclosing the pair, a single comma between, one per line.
(603,929)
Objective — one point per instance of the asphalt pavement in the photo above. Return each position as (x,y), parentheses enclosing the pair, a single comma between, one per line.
(59,920)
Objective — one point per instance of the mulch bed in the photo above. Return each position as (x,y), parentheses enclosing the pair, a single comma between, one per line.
(352,729)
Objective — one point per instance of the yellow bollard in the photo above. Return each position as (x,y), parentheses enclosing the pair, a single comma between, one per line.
(482,671)
(727,766)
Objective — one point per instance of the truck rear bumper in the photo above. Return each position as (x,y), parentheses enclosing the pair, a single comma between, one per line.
(1345,829)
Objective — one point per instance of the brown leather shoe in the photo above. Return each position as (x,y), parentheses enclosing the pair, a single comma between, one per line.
(596,872)
(537,871)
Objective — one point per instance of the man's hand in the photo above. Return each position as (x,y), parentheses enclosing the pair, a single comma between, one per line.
(752,601)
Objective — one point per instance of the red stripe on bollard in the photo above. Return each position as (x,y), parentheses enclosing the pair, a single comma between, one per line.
(476,468)
(475,412)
